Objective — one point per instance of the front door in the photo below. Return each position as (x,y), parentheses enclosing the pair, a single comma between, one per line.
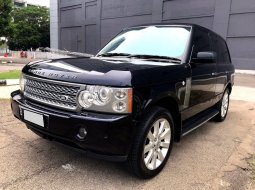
(203,80)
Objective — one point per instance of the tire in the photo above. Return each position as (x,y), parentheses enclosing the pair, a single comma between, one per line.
(157,125)
(222,107)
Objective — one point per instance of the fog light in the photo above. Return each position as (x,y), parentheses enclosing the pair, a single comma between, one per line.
(82,133)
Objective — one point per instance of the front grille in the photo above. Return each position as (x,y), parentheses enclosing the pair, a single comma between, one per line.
(52,93)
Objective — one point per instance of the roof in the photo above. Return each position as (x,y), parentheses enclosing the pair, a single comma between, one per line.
(167,24)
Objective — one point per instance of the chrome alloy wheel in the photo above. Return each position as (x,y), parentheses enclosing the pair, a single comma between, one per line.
(157,144)
(224,105)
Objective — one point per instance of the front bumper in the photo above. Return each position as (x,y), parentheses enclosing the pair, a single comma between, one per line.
(108,136)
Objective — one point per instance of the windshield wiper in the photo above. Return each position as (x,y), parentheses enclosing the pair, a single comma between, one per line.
(113,54)
(141,56)
(173,59)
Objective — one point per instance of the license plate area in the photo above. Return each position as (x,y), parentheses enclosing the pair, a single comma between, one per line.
(34,118)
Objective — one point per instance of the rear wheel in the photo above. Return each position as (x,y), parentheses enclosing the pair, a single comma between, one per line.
(153,144)
(223,106)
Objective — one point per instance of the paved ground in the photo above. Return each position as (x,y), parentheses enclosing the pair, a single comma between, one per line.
(14,60)
(214,156)
(17,63)
(10,67)
(5,91)
(245,80)
(200,161)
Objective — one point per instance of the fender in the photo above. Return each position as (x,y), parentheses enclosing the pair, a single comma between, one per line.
(165,95)
(162,100)
(230,82)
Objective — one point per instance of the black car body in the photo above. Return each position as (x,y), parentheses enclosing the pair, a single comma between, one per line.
(187,90)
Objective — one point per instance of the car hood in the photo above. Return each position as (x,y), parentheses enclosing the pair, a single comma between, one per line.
(104,71)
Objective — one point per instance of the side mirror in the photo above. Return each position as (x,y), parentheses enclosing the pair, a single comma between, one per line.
(205,57)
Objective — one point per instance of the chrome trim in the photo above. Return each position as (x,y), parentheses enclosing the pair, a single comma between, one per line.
(54,81)
(199,125)
(53,105)
(81,87)
(187,93)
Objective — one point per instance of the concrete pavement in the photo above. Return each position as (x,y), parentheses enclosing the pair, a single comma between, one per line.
(10,67)
(14,60)
(200,161)
(243,93)
(212,157)
(5,91)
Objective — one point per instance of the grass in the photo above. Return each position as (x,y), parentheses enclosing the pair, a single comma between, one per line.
(10,75)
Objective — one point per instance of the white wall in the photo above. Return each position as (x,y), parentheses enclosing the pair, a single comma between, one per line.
(54,24)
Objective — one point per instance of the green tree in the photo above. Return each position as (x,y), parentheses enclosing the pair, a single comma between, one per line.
(30,28)
(5,18)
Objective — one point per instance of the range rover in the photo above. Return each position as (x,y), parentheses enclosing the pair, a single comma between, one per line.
(146,89)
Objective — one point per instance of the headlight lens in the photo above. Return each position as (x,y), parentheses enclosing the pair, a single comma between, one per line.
(119,106)
(106,99)
(86,99)
(22,83)
(120,94)
(104,95)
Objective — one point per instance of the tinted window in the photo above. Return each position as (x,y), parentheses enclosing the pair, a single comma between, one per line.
(152,40)
(220,47)
(201,42)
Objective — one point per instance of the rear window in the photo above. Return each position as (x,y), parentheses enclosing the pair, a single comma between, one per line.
(220,47)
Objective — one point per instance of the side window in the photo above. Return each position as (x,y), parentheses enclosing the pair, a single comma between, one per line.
(201,43)
(220,47)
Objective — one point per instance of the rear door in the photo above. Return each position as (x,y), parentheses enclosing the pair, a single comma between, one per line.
(223,63)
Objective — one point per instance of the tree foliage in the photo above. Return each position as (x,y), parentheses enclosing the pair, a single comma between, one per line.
(30,28)
(5,17)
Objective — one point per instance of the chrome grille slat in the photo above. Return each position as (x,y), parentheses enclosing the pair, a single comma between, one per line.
(52,93)
(51,101)
(52,87)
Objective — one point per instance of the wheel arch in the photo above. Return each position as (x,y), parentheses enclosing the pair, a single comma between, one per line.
(229,87)
(172,105)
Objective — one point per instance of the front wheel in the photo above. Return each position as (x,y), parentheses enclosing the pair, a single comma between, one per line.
(153,143)
(223,106)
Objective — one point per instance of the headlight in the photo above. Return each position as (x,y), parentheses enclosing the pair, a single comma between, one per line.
(86,99)
(22,83)
(106,99)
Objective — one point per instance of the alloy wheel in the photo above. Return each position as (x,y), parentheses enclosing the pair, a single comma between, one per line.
(157,143)
(224,105)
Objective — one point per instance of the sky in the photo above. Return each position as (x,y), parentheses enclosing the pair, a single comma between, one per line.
(40,2)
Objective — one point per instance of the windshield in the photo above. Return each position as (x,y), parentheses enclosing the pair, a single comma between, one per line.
(170,41)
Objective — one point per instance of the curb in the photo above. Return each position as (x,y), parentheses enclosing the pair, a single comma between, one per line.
(245,72)
(9,82)
(6,61)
